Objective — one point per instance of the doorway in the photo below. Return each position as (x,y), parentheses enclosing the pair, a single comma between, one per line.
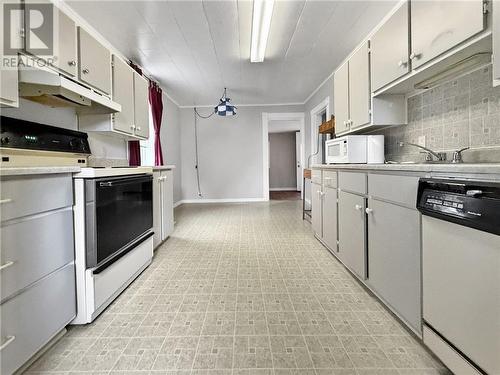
(286,132)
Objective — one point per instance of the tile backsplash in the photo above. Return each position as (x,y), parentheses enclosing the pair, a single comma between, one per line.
(464,112)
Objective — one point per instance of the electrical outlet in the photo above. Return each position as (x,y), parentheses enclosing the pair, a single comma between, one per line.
(421,140)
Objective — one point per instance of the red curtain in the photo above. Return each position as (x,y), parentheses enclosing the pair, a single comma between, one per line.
(134,148)
(156,101)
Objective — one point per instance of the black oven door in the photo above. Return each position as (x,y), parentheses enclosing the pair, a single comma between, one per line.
(123,213)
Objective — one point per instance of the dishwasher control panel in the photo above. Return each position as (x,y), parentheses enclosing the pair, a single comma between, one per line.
(474,204)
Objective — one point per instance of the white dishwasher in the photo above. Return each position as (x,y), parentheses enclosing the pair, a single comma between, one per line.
(461,273)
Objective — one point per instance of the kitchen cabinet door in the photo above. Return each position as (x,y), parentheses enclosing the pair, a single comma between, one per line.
(390,49)
(352,232)
(167,193)
(359,87)
(123,93)
(66,53)
(496,43)
(94,62)
(141,106)
(157,206)
(9,80)
(330,218)
(394,259)
(316,199)
(439,25)
(341,98)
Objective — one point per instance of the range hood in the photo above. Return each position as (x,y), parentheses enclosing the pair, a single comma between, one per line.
(48,87)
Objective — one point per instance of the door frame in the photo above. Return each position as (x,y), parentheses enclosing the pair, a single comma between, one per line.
(315,112)
(285,116)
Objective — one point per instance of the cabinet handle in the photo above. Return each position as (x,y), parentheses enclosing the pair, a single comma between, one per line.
(132,126)
(414,55)
(3,201)
(138,128)
(358,207)
(72,63)
(402,64)
(6,265)
(85,71)
(7,342)
(369,210)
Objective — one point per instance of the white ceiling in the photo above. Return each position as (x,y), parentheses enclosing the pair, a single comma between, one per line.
(196,48)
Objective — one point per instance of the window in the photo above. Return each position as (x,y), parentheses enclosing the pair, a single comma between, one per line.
(147,147)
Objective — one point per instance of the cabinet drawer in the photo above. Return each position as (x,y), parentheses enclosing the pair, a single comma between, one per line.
(31,259)
(27,195)
(330,179)
(316,176)
(398,189)
(353,181)
(32,318)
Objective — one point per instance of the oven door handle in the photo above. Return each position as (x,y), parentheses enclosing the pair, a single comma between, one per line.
(125,182)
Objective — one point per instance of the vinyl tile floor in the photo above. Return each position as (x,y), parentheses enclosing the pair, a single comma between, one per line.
(242,289)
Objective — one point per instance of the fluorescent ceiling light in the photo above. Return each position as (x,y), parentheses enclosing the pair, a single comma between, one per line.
(261,25)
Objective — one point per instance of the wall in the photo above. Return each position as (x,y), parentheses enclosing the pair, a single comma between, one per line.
(230,153)
(170,135)
(107,147)
(464,112)
(282,161)
(324,91)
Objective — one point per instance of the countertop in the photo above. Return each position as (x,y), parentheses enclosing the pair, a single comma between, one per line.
(163,167)
(477,168)
(19,171)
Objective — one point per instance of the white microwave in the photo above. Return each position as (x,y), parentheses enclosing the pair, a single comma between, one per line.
(355,149)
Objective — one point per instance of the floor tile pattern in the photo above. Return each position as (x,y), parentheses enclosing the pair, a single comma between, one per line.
(241,289)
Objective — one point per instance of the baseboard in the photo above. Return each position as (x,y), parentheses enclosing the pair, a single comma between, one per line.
(223,200)
(284,189)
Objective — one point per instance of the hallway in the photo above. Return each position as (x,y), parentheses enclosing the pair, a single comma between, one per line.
(242,289)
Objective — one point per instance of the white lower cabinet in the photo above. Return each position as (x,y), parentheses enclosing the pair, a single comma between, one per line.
(163,205)
(316,211)
(394,258)
(329,211)
(352,232)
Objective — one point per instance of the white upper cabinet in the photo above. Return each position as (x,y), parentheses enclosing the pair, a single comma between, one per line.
(437,26)
(94,62)
(141,106)
(66,52)
(9,81)
(389,49)
(359,87)
(496,43)
(341,98)
(123,94)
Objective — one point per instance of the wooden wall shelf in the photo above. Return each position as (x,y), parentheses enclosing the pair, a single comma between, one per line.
(328,127)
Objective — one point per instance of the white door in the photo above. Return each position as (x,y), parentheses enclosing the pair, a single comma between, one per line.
(67,52)
(341,98)
(316,209)
(167,193)
(123,93)
(141,106)
(496,44)
(157,205)
(437,26)
(359,87)
(298,158)
(94,62)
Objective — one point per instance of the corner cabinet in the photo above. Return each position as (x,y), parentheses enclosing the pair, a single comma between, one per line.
(452,23)
(163,205)
(390,49)
(496,43)
(94,62)
(131,91)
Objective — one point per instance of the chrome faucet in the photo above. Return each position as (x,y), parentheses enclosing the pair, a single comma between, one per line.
(440,156)
(457,155)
